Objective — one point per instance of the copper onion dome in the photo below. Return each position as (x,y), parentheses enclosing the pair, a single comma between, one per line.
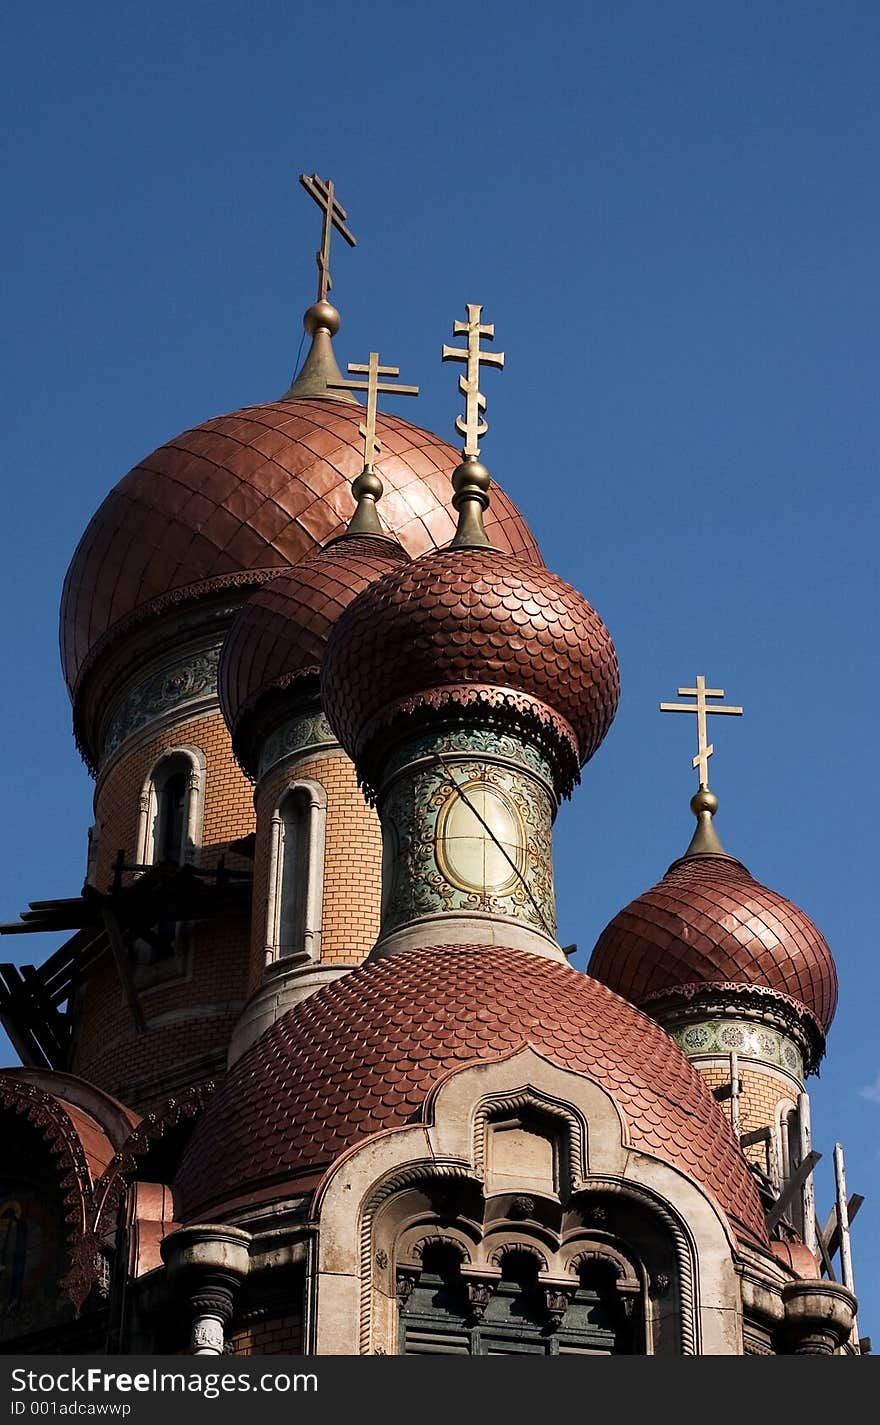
(473,626)
(710,923)
(244,494)
(348,1063)
(276,644)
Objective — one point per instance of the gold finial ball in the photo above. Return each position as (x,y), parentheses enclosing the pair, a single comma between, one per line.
(704,800)
(367,483)
(470,475)
(322,314)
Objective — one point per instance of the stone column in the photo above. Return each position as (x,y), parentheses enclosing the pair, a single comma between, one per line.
(206,1265)
(819,1317)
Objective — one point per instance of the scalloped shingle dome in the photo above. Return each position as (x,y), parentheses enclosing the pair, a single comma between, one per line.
(472,625)
(253,490)
(278,637)
(709,922)
(361,1056)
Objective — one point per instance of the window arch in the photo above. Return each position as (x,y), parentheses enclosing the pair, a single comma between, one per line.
(172,808)
(296,874)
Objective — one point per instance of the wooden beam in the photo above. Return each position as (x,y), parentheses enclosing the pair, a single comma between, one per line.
(121,956)
(792,1187)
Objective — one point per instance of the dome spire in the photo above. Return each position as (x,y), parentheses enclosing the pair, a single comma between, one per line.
(470,479)
(320,373)
(367,488)
(704,803)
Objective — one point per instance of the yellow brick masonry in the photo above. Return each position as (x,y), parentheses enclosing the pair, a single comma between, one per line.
(352,859)
(759,1100)
(279,1337)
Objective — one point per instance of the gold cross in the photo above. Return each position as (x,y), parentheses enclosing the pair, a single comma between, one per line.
(472,427)
(372,386)
(334,216)
(701,708)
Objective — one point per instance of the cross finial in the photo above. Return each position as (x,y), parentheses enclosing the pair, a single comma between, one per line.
(702,710)
(471,426)
(334,216)
(367,488)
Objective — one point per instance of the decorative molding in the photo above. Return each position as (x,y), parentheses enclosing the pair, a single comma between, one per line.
(169,690)
(297,735)
(685,1253)
(44,1113)
(453,744)
(571,1124)
(151,1130)
(410,1176)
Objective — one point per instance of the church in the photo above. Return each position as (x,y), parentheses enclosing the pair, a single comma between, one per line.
(311,1073)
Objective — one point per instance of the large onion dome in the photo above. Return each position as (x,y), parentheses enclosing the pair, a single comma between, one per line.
(275,647)
(223,506)
(349,1062)
(477,627)
(710,924)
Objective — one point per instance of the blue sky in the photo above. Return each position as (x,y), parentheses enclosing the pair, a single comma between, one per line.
(670,212)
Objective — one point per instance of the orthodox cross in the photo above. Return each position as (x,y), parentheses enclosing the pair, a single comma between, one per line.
(702,709)
(334,216)
(471,426)
(373,386)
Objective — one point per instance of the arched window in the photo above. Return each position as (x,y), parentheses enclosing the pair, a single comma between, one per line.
(296,874)
(171,808)
(515,1305)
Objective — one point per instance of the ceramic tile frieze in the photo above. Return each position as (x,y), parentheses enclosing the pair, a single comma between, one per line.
(736,1036)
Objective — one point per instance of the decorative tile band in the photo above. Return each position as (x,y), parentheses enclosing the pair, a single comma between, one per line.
(476,742)
(310,729)
(165,691)
(467,835)
(738,1036)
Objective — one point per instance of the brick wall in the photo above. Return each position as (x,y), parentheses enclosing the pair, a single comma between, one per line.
(278,1337)
(228,795)
(190,1019)
(352,860)
(761,1093)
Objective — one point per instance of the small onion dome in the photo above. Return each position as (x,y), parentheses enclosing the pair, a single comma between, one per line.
(223,504)
(709,923)
(350,1062)
(275,648)
(477,628)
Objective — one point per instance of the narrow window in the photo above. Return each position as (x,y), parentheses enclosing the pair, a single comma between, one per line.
(296,874)
(170,836)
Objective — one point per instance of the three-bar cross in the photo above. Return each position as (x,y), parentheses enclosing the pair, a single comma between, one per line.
(334,216)
(702,709)
(373,386)
(471,426)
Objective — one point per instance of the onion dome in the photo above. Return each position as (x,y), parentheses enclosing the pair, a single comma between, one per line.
(232,500)
(476,627)
(348,1063)
(709,923)
(275,647)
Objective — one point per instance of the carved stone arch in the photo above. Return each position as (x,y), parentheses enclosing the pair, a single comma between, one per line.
(522,1247)
(602,1252)
(414,1174)
(683,1246)
(566,1121)
(411,1248)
